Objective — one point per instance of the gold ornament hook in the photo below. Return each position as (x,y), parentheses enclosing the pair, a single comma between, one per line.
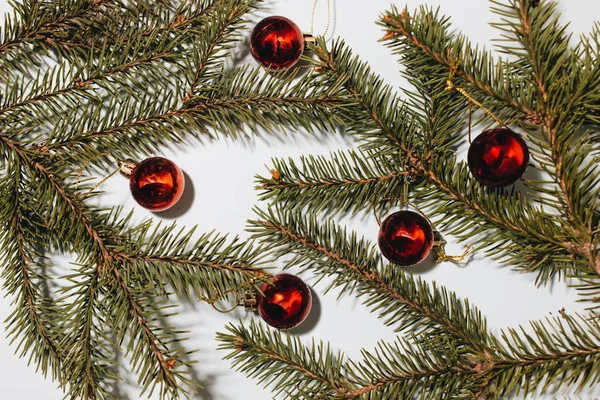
(126,167)
(248,299)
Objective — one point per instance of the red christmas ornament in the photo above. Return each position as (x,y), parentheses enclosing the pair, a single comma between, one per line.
(276,43)
(405,238)
(156,183)
(286,302)
(498,157)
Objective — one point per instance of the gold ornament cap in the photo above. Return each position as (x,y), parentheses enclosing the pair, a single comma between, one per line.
(126,167)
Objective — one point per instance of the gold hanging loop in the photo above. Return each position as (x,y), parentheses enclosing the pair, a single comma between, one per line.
(104,180)
(312,18)
(442,256)
(402,201)
(450,87)
(470,119)
(80,173)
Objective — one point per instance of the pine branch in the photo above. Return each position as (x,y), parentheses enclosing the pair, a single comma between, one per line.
(134,62)
(402,301)
(375,112)
(36,22)
(538,241)
(427,37)
(358,179)
(538,31)
(291,369)
(33,322)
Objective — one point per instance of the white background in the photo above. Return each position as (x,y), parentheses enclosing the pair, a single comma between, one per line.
(221,186)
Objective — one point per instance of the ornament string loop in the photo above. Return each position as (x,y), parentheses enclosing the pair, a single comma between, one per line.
(450,86)
(312,18)
(80,173)
(402,200)
(96,186)
(442,256)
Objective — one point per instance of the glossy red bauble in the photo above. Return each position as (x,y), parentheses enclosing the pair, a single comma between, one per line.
(286,302)
(276,43)
(406,238)
(156,183)
(498,157)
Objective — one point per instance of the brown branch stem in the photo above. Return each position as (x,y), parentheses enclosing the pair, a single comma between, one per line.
(281,184)
(243,269)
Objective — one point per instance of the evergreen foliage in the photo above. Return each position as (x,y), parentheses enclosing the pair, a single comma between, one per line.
(88,82)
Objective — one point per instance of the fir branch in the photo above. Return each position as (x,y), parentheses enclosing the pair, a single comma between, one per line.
(560,351)
(152,360)
(400,370)
(33,323)
(427,35)
(589,75)
(244,96)
(259,100)
(535,233)
(219,34)
(290,368)
(441,113)
(86,343)
(89,380)
(379,115)
(63,202)
(203,269)
(69,28)
(135,60)
(538,31)
(526,237)
(35,21)
(408,303)
(358,177)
